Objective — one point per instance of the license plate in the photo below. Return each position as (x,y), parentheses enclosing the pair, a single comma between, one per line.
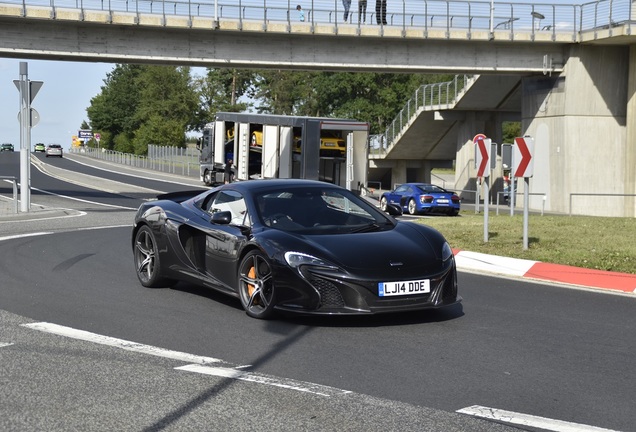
(412,287)
(442,201)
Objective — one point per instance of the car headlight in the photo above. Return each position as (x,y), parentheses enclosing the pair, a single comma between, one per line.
(447,252)
(297,259)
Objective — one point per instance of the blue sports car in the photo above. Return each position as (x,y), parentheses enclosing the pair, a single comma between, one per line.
(421,198)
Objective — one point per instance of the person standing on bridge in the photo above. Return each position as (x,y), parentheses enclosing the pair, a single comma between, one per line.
(301,13)
(380,11)
(347,6)
(362,10)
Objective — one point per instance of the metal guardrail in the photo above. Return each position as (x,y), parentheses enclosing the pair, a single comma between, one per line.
(545,196)
(15,191)
(448,15)
(172,160)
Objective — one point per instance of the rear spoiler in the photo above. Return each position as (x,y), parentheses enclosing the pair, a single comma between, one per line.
(180,196)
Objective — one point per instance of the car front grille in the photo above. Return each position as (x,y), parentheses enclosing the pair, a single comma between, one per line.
(329,294)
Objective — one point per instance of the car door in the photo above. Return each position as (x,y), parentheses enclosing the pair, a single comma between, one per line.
(397,195)
(224,241)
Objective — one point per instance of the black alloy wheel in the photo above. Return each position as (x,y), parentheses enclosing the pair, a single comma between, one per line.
(147,261)
(256,285)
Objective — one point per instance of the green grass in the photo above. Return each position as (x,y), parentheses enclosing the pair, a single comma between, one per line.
(602,243)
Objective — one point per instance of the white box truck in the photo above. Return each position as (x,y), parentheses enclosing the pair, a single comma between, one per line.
(277,146)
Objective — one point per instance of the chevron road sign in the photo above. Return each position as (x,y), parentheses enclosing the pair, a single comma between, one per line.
(482,156)
(523,160)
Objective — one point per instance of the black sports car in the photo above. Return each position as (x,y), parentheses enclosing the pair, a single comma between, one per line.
(295,246)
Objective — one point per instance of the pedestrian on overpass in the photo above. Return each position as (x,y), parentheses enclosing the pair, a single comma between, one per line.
(362,10)
(301,13)
(380,11)
(347,6)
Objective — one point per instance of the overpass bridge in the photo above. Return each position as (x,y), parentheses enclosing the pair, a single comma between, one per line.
(568,72)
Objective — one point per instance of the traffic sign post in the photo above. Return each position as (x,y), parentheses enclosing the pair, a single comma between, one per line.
(28,118)
(523,152)
(482,163)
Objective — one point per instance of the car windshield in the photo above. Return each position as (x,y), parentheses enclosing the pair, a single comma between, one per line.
(320,210)
(431,189)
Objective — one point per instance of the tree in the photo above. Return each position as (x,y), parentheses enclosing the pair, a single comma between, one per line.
(142,104)
(284,92)
(371,97)
(112,112)
(166,107)
(221,90)
(511,130)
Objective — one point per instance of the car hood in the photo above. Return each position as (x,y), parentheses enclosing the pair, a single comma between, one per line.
(406,247)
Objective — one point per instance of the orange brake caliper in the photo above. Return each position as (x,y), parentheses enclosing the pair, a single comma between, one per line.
(251,274)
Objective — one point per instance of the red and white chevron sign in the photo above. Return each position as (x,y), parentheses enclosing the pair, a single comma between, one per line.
(523,151)
(482,156)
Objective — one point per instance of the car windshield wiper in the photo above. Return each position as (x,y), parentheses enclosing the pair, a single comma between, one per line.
(373,226)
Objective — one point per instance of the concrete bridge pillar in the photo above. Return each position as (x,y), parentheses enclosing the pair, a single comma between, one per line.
(630,142)
(584,136)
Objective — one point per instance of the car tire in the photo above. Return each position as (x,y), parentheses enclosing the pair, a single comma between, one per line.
(256,285)
(147,263)
(412,207)
(383,204)
(207,178)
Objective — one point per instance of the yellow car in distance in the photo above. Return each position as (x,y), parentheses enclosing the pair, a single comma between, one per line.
(331,144)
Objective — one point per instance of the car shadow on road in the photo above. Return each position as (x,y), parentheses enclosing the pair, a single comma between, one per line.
(381,320)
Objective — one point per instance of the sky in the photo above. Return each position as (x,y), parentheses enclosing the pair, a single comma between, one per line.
(61,102)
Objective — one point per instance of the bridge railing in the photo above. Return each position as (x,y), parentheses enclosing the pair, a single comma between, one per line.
(448,15)
(434,96)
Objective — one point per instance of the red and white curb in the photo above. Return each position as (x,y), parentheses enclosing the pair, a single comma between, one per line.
(536,270)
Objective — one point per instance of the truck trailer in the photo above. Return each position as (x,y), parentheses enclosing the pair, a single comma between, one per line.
(278,146)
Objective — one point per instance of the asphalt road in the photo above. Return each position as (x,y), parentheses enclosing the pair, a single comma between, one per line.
(546,351)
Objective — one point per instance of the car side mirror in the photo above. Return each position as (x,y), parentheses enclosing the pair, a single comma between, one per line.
(221,218)
(393,209)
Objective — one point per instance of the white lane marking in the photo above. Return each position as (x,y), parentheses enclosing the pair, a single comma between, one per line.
(529,420)
(164,180)
(39,166)
(77,213)
(201,362)
(86,201)
(5,344)
(305,387)
(119,343)
(42,233)
(26,235)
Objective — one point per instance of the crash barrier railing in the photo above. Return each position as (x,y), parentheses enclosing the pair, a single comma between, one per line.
(433,96)
(572,195)
(545,198)
(168,159)
(436,179)
(448,15)
(463,197)
(15,191)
